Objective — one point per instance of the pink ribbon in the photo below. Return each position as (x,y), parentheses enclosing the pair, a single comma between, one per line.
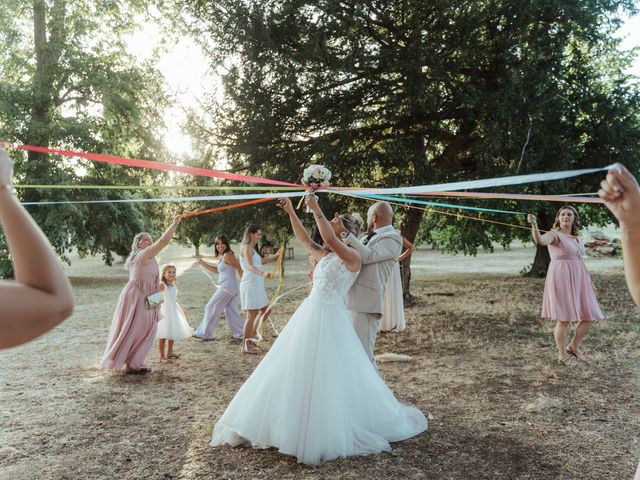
(133,162)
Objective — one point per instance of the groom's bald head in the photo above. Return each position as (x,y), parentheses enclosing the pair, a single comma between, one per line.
(379,215)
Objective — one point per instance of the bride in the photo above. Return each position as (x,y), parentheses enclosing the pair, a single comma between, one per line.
(315,394)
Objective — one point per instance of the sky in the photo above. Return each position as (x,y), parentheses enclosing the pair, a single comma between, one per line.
(630,32)
(189,76)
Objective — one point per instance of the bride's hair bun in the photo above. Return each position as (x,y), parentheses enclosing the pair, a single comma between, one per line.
(351,223)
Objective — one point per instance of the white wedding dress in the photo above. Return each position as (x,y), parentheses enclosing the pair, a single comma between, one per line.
(315,395)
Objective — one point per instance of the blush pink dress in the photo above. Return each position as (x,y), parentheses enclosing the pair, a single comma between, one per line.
(568,292)
(134,326)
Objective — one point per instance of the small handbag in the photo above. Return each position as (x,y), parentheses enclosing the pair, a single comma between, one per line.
(154,300)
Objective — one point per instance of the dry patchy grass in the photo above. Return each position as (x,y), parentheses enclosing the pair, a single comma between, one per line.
(483,366)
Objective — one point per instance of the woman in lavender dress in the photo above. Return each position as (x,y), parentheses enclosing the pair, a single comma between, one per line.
(225,299)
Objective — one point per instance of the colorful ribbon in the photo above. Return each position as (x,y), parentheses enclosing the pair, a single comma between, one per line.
(517,196)
(155,187)
(226,207)
(252,196)
(485,183)
(433,204)
(275,301)
(133,162)
(277,268)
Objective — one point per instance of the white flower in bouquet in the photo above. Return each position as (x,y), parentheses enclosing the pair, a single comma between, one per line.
(316,176)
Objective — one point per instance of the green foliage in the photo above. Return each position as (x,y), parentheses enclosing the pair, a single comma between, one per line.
(68,81)
(390,93)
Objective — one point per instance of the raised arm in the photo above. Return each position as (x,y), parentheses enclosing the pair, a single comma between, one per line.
(539,239)
(41,296)
(155,248)
(230,259)
(621,194)
(349,256)
(270,258)
(315,250)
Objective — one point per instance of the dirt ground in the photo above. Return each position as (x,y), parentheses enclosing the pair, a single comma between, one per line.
(483,365)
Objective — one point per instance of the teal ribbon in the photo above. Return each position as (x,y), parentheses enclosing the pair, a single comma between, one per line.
(434,204)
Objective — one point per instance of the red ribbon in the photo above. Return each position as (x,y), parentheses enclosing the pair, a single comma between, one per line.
(132,162)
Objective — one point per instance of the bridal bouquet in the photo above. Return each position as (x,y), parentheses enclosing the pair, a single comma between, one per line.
(316,176)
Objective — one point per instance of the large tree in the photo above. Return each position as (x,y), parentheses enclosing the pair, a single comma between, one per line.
(67,80)
(398,92)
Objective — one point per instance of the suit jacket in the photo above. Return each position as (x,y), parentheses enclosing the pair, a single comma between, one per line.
(378,257)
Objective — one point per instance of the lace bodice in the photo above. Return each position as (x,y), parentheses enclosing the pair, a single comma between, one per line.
(332,279)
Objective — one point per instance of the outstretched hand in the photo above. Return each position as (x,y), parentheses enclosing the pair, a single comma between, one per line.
(6,168)
(176,220)
(312,203)
(531,218)
(286,205)
(621,195)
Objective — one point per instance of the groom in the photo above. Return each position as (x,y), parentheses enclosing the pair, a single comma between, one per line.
(379,250)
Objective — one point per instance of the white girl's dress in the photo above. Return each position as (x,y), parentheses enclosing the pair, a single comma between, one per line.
(316,395)
(173,324)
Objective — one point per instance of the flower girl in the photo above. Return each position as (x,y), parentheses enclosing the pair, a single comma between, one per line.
(173,324)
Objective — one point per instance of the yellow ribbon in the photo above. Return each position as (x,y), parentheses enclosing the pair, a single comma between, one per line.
(279,269)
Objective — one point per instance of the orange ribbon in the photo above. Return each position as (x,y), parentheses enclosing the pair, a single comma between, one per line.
(227,207)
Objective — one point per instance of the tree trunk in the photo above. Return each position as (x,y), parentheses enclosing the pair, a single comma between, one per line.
(44,90)
(47,53)
(41,100)
(409,230)
(197,248)
(541,260)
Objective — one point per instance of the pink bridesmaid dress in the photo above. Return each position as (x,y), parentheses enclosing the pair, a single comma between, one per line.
(134,326)
(569,295)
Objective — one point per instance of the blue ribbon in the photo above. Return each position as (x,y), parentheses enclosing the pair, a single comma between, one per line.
(435,204)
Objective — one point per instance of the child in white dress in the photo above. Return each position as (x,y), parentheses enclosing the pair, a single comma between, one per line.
(173,325)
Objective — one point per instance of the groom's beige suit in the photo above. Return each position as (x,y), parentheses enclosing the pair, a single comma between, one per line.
(365,299)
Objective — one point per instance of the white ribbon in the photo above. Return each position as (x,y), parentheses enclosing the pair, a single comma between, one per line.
(440,187)
(249,196)
(475,184)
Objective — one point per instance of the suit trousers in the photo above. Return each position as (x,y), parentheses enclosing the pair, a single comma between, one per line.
(366,326)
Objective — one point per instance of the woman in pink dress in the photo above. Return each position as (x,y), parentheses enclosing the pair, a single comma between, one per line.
(569,294)
(134,325)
